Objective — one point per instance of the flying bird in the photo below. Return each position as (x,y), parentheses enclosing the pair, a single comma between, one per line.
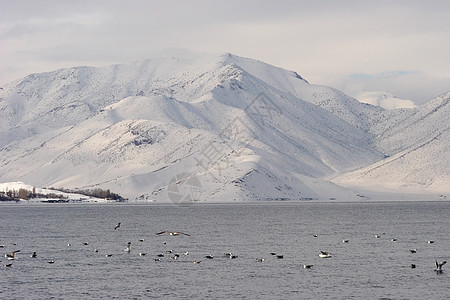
(117,226)
(307,266)
(324,254)
(172,233)
(12,255)
(439,266)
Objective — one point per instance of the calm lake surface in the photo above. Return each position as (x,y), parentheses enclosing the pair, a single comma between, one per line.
(364,268)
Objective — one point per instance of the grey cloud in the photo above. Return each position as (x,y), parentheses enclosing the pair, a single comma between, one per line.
(324,41)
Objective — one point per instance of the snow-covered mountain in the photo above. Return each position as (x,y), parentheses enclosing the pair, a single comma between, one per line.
(214,128)
(385,100)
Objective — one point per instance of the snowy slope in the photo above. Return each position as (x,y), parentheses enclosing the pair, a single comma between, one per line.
(416,142)
(241,128)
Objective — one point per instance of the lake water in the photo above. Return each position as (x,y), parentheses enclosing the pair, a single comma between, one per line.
(364,268)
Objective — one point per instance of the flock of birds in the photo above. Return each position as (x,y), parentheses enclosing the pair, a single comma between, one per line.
(174,256)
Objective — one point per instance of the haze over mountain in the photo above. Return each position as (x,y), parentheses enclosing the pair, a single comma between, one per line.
(385,100)
(215,128)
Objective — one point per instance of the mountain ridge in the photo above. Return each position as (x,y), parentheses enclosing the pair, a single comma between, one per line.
(133,128)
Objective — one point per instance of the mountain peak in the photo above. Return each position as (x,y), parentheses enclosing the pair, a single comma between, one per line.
(243,128)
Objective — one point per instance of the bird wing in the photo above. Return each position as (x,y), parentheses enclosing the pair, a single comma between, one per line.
(162,232)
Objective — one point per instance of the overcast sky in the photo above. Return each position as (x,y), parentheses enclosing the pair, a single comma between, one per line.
(400,47)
